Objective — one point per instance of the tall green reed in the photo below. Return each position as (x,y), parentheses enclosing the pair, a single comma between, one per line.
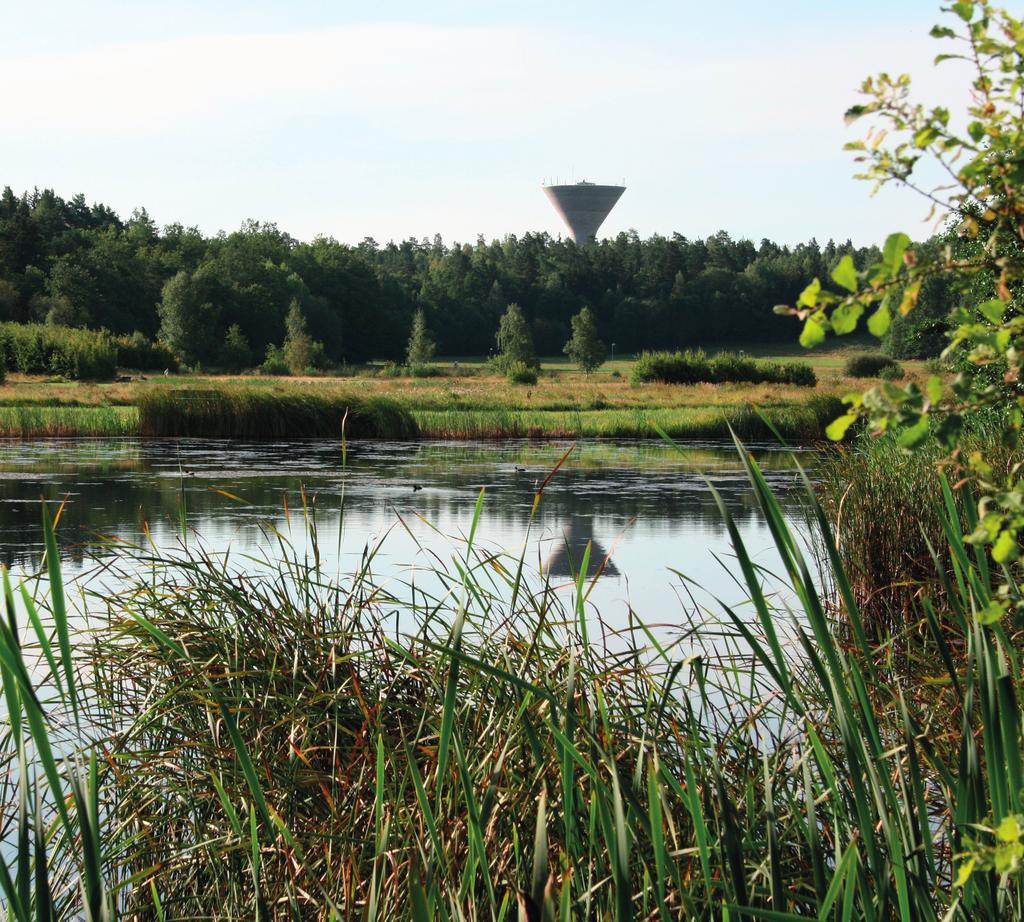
(269,741)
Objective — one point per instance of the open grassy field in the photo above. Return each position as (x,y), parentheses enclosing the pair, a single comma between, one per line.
(464,399)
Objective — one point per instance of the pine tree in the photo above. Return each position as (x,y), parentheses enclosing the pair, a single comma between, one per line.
(421,346)
(583,347)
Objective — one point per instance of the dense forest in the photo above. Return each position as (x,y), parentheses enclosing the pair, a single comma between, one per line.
(69,263)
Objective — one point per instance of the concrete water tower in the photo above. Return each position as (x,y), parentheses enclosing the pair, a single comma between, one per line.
(583,206)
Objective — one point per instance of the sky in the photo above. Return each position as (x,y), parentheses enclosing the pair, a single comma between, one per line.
(403,119)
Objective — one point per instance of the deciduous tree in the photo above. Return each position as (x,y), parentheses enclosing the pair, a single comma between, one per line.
(584,347)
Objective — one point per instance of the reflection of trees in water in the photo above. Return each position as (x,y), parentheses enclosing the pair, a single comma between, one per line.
(116,498)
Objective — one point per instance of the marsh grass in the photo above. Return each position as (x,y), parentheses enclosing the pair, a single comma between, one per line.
(267,741)
(253,414)
(806,421)
(304,411)
(889,517)
(63,421)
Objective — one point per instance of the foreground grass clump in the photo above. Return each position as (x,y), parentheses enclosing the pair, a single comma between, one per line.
(889,518)
(69,352)
(274,744)
(696,367)
(259,414)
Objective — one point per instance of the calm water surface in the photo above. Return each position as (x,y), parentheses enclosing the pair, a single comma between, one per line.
(646,505)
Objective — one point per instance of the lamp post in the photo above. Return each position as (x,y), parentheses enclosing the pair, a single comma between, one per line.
(613,352)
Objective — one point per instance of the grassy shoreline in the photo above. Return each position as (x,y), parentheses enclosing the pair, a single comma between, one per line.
(463,401)
(806,421)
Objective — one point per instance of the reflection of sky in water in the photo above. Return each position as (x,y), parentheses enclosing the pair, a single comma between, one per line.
(647,504)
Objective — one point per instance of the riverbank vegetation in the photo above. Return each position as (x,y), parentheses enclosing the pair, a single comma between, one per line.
(696,367)
(61,351)
(248,414)
(464,399)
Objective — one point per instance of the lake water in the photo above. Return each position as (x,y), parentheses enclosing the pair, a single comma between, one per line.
(643,505)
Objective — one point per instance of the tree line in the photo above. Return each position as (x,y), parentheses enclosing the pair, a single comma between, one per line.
(218,300)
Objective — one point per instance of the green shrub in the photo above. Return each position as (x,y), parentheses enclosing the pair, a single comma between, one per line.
(891,373)
(390,370)
(690,367)
(275,363)
(70,352)
(521,373)
(696,367)
(869,365)
(143,354)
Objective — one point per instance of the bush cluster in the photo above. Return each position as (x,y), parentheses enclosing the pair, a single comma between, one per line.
(694,366)
(70,352)
(275,362)
(143,354)
(521,373)
(872,365)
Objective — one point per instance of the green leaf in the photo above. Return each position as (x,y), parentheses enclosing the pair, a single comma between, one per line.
(976,130)
(845,274)
(837,428)
(934,389)
(990,614)
(813,332)
(949,429)
(892,253)
(942,32)
(925,136)
(878,322)
(809,296)
(1005,549)
(914,435)
(854,113)
(844,318)
(992,310)
(963,873)
(964,9)
(1008,830)
(1007,857)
